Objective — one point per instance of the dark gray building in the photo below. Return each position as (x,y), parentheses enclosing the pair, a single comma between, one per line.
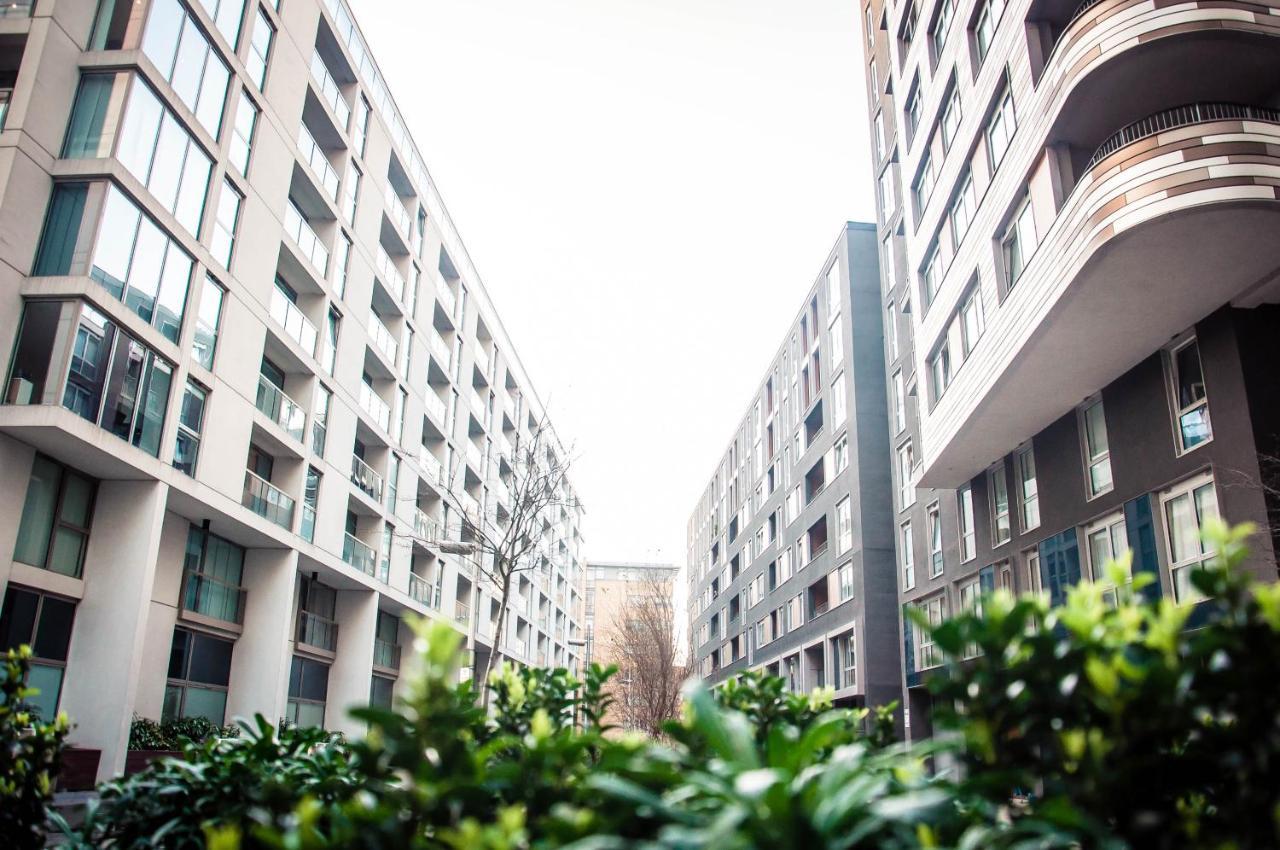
(790,556)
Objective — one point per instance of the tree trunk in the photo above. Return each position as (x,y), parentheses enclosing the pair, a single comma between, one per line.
(498,636)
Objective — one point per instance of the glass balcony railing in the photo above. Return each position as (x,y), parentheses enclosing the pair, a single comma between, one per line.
(313,156)
(210,597)
(359,555)
(382,338)
(386,654)
(469,506)
(307,528)
(432,469)
(295,325)
(280,409)
(299,229)
(477,406)
(483,362)
(462,612)
(363,476)
(421,590)
(440,349)
(373,405)
(399,215)
(475,457)
(329,90)
(435,407)
(390,274)
(445,295)
(317,631)
(425,527)
(267,501)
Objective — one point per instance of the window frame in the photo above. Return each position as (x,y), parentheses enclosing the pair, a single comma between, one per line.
(997,487)
(1028,500)
(1091,459)
(1177,409)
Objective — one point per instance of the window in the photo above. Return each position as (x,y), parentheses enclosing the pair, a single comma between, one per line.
(963,206)
(199,672)
(1031,558)
(936,564)
(838,401)
(930,274)
(333,326)
(1105,540)
(308,687)
(1097,451)
(242,133)
(935,611)
(907,556)
(212,572)
(940,367)
(1000,128)
(875,79)
(342,255)
(351,193)
(964,512)
(1186,507)
(260,50)
(941,24)
(44,623)
(1191,402)
(222,241)
(888,189)
(846,656)
(226,15)
(971,320)
(911,20)
(56,515)
(970,593)
(360,128)
(923,185)
(190,421)
(837,344)
(891,329)
(844,581)
(844,525)
(840,456)
(178,48)
(998,489)
(985,27)
(209,317)
(897,398)
(1027,490)
(915,104)
(320,418)
(906,484)
(871,29)
(950,120)
(1019,242)
(890,273)
(878,124)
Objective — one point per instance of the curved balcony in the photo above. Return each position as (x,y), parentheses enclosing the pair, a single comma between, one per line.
(1175,217)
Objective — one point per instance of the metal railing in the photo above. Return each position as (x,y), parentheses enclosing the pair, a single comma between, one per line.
(329,90)
(210,597)
(359,554)
(267,500)
(308,242)
(387,267)
(382,338)
(373,405)
(317,631)
(280,409)
(1179,116)
(386,654)
(440,349)
(319,164)
(363,476)
(421,590)
(297,326)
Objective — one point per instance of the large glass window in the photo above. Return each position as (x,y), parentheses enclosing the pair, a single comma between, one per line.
(190,422)
(176,45)
(226,16)
(212,571)
(844,525)
(936,561)
(207,322)
(907,555)
(260,49)
(906,475)
(360,127)
(199,672)
(949,122)
(935,611)
(998,490)
(1000,128)
(44,623)
(985,27)
(351,192)
(1105,540)
(964,510)
(1191,402)
(1186,507)
(1097,450)
(1019,242)
(246,122)
(56,515)
(381,692)
(1028,492)
(94,99)
(308,687)
(223,239)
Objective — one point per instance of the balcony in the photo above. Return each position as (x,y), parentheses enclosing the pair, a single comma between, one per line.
(462,612)
(483,361)
(267,501)
(445,296)
(398,214)
(210,597)
(440,349)
(386,654)
(372,404)
(317,632)
(477,407)
(421,590)
(313,155)
(290,319)
(307,527)
(469,506)
(299,230)
(432,469)
(329,90)
(382,338)
(359,555)
(390,274)
(17,8)
(435,407)
(1181,204)
(425,527)
(475,458)
(369,482)
(280,409)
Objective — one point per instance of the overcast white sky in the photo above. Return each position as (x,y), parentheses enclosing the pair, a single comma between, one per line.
(647,188)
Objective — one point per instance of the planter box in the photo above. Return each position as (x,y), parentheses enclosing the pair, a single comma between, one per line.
(79,771)
(136,761)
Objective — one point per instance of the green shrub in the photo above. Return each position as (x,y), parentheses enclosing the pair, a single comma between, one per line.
(147,734)
(30,756)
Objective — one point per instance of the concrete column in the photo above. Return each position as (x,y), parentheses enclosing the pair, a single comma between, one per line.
(105,658)
(16,458)
(163,615)
(350,674)
(260,664)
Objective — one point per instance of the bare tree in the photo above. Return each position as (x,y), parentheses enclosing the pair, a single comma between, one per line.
(643,644)
(530,492)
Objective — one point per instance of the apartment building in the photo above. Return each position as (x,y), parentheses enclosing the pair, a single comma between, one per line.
(253,381)
(791,545)
(1079,242)
(618,591)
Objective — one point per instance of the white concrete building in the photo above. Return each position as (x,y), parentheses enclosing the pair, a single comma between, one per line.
(252,377)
